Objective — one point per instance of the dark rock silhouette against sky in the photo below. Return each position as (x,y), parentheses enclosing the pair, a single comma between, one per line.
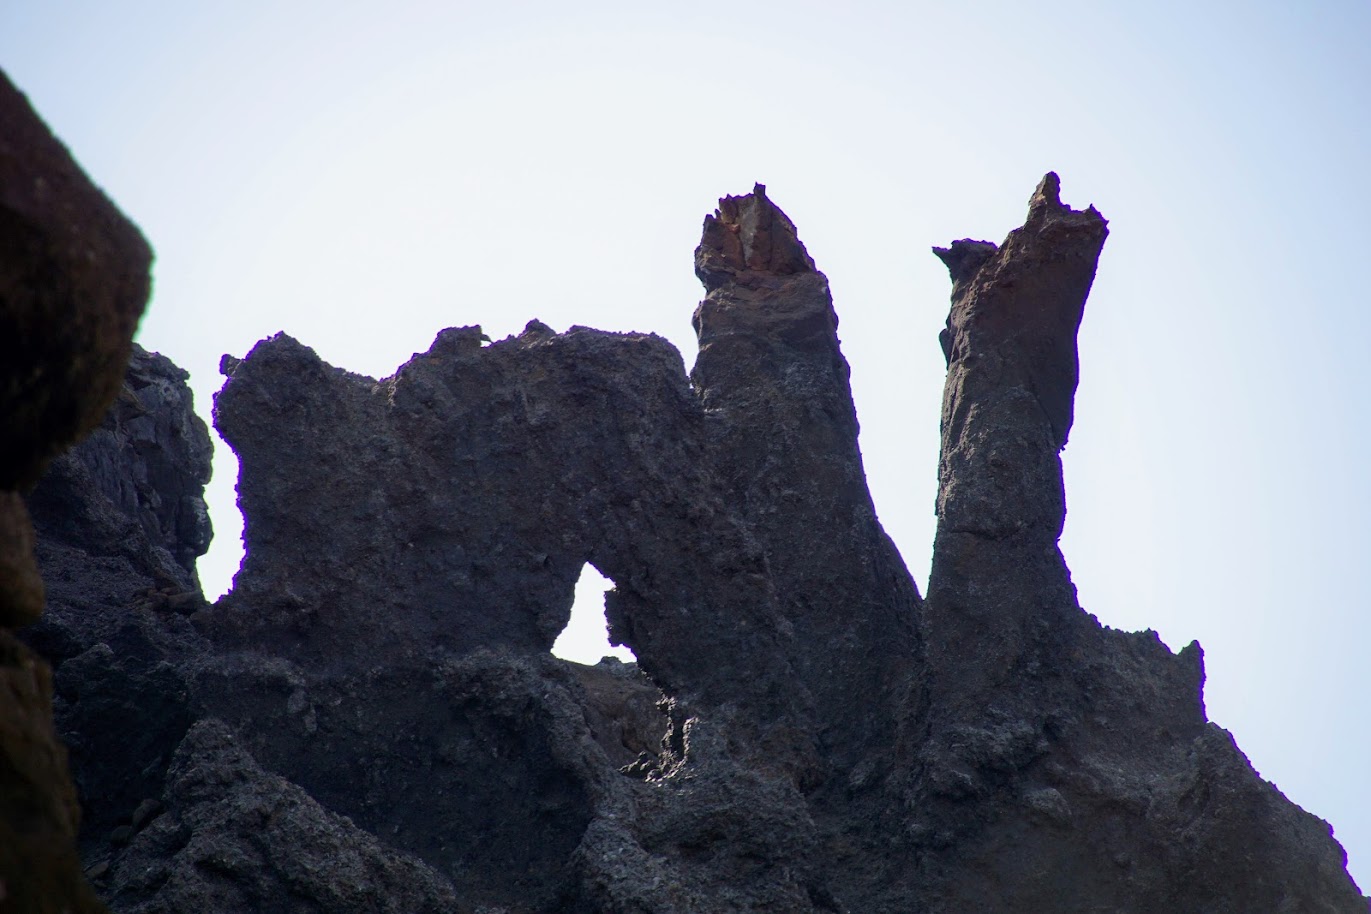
(371,718)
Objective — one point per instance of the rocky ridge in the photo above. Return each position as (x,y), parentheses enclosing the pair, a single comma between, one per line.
(371,719)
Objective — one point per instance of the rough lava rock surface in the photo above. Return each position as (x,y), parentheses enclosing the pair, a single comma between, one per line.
(236,838)
(371,719)
(122,520)
(73,282)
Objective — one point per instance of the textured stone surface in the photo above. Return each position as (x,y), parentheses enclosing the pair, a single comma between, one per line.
(371,719)
(134,488)
(122,519)
(39,870)
(21,587)
(235,838)
(1067,766)
(72,286)
(73,281)
(781,435)
(998,578)
(454,504)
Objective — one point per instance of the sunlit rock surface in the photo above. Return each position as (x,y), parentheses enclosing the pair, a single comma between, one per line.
(371,719)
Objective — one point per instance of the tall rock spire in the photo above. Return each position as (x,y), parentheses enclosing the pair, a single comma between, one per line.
(1007,410)
(1061,763)
(782,432)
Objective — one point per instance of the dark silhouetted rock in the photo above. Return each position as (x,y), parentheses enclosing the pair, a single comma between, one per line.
(73,281)
(21,587)
(781,438)
(623,712)
(74,284)
(134,488)
(121,519)
(1066,766)
(39,870)
(963,260)
(236,838)
(371,719)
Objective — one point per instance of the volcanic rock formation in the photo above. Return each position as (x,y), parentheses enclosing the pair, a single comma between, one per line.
(73,281)
(371,719)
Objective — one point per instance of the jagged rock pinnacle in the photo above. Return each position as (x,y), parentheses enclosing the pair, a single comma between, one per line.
(1047,193)
(748,234)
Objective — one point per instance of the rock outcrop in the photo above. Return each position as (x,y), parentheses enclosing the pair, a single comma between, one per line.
(371,719)
(73,282)
(135,487)
(123,519)
(236,838)
(1066,766)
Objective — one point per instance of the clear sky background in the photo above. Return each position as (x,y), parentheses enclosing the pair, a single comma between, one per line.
(363,175)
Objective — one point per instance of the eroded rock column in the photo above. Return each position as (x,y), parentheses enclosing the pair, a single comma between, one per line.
(998,582)
(782,432)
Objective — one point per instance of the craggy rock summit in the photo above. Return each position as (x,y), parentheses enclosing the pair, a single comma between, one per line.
(371,719)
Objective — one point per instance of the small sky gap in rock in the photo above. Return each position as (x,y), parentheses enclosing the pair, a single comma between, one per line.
(586,637)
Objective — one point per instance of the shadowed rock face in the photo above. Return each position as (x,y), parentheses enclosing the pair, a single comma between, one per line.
(1065,766)
(228,817)
(122,520)
(781,433)
(371,719)
(134,489)
(1007,408)
(70,254)
(73,281)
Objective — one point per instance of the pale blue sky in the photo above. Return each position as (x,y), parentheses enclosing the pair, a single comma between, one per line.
(362,175)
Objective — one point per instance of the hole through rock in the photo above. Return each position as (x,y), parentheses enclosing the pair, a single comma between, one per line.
(586,636)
